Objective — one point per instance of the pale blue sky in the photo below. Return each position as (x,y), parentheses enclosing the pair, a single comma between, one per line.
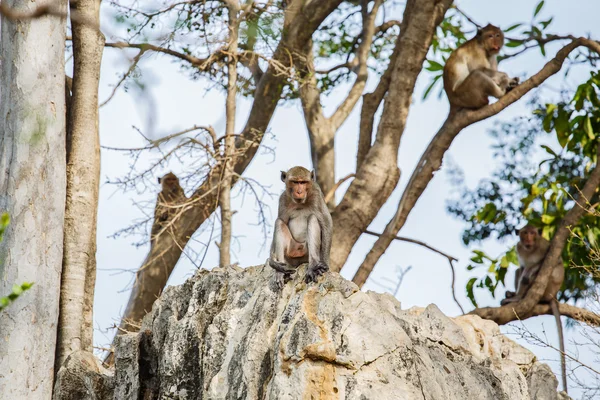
(181,103)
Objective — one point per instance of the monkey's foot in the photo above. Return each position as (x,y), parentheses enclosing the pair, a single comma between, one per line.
(508,300)
(281,280)
(509,294)
(314,271)
(514,82)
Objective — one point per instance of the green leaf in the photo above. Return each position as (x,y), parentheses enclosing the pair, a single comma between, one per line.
(434,66)
(587,127)
(513,27)
(548,219)
(546,23)
(513,43)
(549,150)
(470,293)
(538,8)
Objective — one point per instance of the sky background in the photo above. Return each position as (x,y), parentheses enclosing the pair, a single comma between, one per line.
(180,103)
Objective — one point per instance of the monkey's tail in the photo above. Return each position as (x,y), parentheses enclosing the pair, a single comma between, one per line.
(563,364)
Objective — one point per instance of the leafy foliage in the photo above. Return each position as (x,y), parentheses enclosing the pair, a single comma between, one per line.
(521,191)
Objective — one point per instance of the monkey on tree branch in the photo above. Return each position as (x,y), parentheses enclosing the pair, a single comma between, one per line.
(531,252)
(168,203)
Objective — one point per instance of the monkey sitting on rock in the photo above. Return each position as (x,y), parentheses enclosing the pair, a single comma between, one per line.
(304,227)
(471,73)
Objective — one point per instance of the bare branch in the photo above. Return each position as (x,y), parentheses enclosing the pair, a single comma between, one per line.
(360,60)
(415,241)
(200,63)
(330,195)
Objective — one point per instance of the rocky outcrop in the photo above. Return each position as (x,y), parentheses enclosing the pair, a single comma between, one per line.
(233,334)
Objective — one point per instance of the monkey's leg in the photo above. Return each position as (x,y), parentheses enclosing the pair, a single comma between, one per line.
(282,238)
(493,83)
(471,93)
(563,364)
(316,266)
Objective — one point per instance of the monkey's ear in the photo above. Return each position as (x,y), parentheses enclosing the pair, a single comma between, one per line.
(283,176)
(159,179)
(312,175)
(539,231)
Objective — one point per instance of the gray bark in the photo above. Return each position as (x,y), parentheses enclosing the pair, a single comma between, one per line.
(32,191)
(75,329)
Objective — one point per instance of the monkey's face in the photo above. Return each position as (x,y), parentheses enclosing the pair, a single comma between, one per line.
(170,183)
(298,183)
(493,39)
(528,237)
(298,189)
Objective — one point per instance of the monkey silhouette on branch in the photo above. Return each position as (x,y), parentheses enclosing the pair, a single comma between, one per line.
(303,228)
(471,73)
(170,197)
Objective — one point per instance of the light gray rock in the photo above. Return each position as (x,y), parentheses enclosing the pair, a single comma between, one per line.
(231,334)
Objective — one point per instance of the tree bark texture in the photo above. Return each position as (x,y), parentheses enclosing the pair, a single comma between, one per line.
(379,172)
(431,160)
(299,26)
(229,141)
(75,328)
(32,191)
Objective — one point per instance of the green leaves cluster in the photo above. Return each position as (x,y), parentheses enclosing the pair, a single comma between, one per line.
(564,138)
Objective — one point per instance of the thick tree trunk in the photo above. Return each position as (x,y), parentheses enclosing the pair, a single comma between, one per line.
(75,326)
(379,172)
(32,191)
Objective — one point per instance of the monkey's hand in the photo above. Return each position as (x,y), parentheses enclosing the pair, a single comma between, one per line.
(514,82)
(509,294)
(314,271)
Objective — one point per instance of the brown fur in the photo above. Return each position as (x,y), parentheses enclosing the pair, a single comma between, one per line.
(303,229)
(531,251)
(169,197)
(471,73)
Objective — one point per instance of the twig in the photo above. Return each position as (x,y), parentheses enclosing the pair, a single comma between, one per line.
(420,243)
(453,286)
(335,187)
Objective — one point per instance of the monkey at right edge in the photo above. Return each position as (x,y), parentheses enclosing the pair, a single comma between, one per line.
(471,73)
(531,252)
(167,201)
(303,229)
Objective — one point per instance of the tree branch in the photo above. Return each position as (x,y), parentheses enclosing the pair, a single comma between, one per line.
(362,54)
(431,160)
(523,308)
(415,241)
(331,194)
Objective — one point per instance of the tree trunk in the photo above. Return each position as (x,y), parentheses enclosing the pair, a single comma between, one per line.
(229,141)
(32,191)
(379,172)
(75,327)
